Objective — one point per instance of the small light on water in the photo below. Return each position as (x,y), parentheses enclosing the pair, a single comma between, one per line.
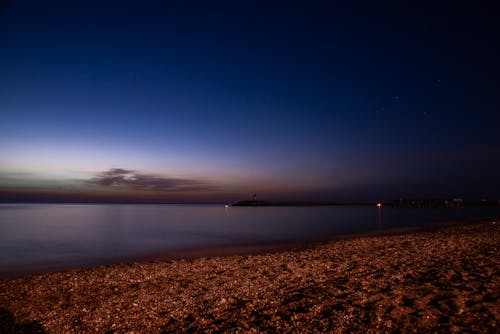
(379,205)
(226,206)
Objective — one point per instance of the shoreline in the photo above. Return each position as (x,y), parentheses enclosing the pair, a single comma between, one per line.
(270,247)
(232,249)
(441,279)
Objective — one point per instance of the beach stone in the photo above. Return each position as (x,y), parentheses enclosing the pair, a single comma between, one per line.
(443,280)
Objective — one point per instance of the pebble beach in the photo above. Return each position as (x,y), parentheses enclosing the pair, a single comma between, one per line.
(445,279)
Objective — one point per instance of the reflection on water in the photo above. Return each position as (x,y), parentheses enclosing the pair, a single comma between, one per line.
(379,216)
(38,235)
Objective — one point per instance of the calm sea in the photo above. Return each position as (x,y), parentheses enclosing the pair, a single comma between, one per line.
(44,236)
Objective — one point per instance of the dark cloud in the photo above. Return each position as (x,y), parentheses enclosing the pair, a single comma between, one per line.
(118,171)
(119,177)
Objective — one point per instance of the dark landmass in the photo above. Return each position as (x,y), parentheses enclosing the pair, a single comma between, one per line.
(297,203)
(43,197)
(444,280)
(401,203)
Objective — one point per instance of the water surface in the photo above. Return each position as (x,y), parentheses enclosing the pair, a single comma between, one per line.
(44,236)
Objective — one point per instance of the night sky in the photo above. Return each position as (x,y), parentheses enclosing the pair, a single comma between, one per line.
(214,101)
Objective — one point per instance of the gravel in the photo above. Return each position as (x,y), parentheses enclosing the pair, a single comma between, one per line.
(444,280)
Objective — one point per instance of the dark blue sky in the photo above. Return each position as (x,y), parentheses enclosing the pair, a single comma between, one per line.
(212,101)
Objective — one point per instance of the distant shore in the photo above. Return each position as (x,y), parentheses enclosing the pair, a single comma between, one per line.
(133,201)
(402,203)
(445,279)
(298,203)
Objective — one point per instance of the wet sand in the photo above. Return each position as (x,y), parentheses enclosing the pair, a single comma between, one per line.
(441,280)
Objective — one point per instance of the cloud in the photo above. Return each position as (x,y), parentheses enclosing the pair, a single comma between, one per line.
(125,178)
(118,171)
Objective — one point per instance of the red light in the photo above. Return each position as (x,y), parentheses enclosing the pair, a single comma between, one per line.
(379,205)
